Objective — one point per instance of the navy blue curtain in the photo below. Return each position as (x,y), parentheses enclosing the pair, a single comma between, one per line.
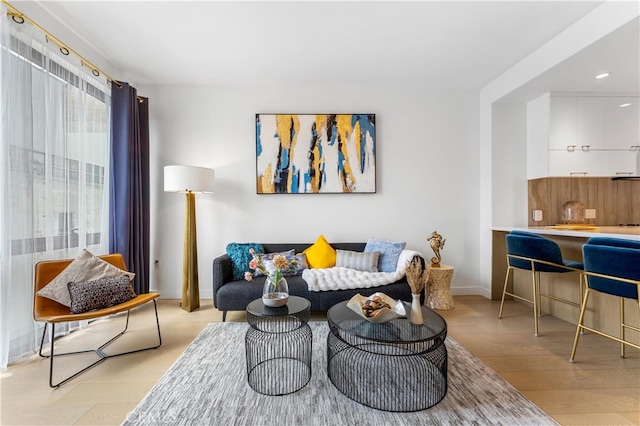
(129,182)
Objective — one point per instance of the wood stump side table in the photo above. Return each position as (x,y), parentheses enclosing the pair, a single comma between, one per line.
(438,291)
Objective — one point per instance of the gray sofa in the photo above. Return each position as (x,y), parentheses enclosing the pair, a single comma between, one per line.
(230,295)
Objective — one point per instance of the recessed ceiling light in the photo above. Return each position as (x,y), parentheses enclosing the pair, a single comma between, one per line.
(603,75)
(624,105)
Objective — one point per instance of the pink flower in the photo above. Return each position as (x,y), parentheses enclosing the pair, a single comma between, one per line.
(253,264)
(248,276)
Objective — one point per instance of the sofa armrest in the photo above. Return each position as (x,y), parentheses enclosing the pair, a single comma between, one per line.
(222,274)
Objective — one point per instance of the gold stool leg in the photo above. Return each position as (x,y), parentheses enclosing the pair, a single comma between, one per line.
(583,286)
(535,299)
(622,345)
(504,290)
(538,294)
(583,308)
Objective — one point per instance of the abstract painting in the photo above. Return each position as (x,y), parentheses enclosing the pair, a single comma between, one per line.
(315,153)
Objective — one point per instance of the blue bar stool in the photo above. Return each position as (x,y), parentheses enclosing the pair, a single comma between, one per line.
(612,266)
(529,251)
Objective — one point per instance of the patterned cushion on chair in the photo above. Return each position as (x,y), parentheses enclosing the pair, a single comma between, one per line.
(99,294)
(85,267)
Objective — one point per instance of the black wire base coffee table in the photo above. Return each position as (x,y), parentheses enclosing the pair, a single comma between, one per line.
(278,346)
(391,366)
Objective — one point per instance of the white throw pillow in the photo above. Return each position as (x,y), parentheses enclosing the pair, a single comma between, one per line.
(404,258)
(85,267)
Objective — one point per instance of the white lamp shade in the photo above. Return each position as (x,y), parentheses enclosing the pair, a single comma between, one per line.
(188,179)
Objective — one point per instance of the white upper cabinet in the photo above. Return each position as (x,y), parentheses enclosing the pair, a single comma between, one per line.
(591,123)
(563,119)
(593,163)
(621,163)
(583,136)
(623,123)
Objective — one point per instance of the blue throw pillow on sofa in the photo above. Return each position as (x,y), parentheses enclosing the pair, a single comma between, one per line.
(267,260)
(297,264)
(240,257)
(389,253)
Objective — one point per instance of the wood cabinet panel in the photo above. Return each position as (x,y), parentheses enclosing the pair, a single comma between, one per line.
(615,201)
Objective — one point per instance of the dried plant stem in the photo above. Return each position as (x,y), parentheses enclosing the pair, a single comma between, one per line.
(417,277)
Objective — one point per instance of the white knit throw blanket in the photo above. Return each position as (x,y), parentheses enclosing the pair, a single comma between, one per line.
(339,278)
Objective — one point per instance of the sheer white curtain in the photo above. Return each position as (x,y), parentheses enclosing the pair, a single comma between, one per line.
(54,142)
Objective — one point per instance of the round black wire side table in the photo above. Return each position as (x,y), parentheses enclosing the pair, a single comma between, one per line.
(391,366)
(278,346)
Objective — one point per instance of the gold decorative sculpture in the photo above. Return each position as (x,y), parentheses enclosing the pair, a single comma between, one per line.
(437,243)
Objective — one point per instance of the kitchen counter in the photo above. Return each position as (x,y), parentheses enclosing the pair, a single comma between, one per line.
(624,232)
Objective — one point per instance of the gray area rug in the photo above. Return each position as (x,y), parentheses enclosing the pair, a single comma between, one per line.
(207,385)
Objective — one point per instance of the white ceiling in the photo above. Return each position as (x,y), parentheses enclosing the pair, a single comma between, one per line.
(446,45)
(617,53)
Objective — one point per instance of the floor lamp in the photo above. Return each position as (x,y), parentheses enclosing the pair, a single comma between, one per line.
(189,179)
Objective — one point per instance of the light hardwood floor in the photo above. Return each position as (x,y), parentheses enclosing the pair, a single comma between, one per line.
(599,389)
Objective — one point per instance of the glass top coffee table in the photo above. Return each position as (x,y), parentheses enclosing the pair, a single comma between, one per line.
(391,366)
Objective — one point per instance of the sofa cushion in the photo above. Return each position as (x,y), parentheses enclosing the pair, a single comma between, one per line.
(362,261)
(320,254)
(99,294)
(406,256)
(297,264)
(240,257)
(84,267)
(389,253)
(267,260)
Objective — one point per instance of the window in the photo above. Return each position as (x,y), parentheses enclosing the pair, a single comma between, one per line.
(58,165)
(54,156)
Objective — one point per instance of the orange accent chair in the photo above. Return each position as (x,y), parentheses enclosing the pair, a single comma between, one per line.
(51,313)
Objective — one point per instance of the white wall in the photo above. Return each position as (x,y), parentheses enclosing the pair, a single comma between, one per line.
(427,175)
(508,156)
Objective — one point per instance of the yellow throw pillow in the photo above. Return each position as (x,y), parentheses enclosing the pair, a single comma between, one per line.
(320,254)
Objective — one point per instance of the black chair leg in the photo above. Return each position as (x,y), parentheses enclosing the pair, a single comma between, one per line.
(102,356)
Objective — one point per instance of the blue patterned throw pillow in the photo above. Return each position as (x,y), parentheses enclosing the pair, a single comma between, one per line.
(297,264)
(389,253)
(267,259)
(240,257)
